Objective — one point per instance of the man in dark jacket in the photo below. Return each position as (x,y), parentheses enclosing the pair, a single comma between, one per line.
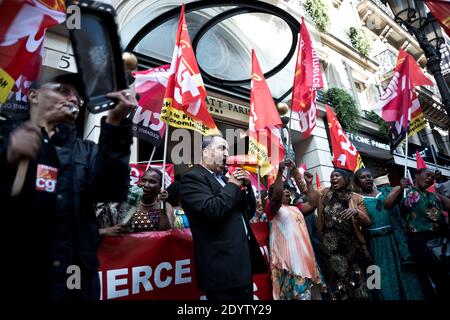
(219,210)
(56,224)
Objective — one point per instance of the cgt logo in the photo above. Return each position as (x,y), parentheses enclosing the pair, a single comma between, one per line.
(46,178)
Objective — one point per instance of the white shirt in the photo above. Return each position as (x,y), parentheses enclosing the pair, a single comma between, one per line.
(222,183)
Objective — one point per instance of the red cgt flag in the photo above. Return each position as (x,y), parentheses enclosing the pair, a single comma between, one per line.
(264,123)
(184,100)
(399,101)
(345,155)
(307,79)
(22,31)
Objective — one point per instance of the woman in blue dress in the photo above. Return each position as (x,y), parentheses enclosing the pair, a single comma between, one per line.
(387,242)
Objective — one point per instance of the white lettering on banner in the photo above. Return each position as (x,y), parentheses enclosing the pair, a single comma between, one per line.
(113,283)
(158,281)
(390,92)
(308,119)
(180,271)
(342,159)
(141,278)
(187,83)
(316,69)
(346,145)
(151,119)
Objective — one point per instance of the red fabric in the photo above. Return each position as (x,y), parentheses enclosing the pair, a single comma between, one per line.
(264,121)
(441,11)
(160,266)
(420,163)
(307,79)
(398,97)
(308,74)
(317,181)
(151,85)
(345,155)
(263,110)
(22,31)
(185,86)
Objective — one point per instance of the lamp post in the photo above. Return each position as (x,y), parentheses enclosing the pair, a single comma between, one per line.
(423,26)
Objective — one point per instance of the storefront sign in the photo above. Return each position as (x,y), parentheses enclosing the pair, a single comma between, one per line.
(370,147)
(227,110)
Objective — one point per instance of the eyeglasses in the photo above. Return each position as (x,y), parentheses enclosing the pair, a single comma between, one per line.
(64,90)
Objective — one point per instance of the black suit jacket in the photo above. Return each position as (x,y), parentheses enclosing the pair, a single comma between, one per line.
(225,257)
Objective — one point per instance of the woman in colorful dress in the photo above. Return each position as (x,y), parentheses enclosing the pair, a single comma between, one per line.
(142,210)
(295,273)
(387,243)
(427,231)
(343,253)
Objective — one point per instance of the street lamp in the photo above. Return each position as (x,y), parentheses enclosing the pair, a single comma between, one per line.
(422,25)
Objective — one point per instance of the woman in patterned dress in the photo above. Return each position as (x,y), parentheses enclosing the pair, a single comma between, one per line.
(428,231)
(387,243)
(343,254)
(295,273)
(142,210)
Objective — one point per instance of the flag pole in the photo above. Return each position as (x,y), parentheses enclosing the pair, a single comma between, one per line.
(289,133)
(434,157)
(406,161)
(163,187)
(259,183)
(151,158)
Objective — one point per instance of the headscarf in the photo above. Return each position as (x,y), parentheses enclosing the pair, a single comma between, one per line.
(345,193)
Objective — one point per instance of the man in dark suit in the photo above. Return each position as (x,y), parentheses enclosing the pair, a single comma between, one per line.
(218,210)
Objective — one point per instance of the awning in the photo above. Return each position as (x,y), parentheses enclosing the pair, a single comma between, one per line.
(400,160)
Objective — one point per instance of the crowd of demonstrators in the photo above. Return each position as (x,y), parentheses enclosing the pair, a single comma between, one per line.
(55,209)
(427,230)
(387,243)
(70,200)
(219,209)
(294,270)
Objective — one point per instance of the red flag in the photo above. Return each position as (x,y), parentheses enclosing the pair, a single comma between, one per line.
(150,85)
(441,11)
(317,181)
(184,99)
(399,100)
(420,163)
(345,155)
(22,31)
(307,79)
(264,123)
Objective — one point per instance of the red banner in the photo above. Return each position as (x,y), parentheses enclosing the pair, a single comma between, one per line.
(345,155)
(138,169)
(160,266)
